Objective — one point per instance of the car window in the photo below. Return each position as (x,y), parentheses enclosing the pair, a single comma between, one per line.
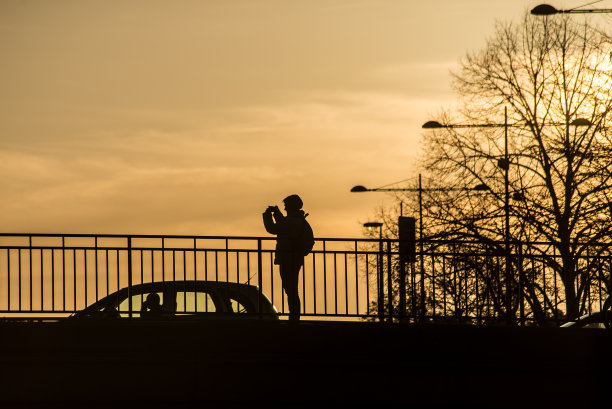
(137,303)
(194,301)
(594,325)
(238,307)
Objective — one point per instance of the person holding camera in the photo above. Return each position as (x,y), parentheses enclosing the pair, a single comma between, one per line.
(294,240)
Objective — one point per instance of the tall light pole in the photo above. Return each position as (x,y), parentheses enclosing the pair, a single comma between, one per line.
(505,165)
(547,10)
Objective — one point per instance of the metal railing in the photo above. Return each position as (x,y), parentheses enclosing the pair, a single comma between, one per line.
(55,275)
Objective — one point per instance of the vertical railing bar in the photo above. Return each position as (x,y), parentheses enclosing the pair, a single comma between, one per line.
(30,267)
(335,283)
(130,277)
(303,296)
(555,286)
(314,284)
(413,284)
(599,275)
(85,273)
(346,289)
(8,279)
(248,261)
(20,289)
(237,266)
(141,266)
(367,272)
(444,285)
(466,290)
(195,270)
(152,258)
(456,289)
(96,261)
(74,273)
(226,260)
(356,280)
(324,277)
(521,284)
(260,278)
(390,281)
(206,266)
(433,285)
(588,283)
(173,265)
(42,274)
(185,265)
(206,271)
(141,252)
(271,254)
(195,262)
(163,253)
(63,274)
(216,265)
(476,281)
(106,267)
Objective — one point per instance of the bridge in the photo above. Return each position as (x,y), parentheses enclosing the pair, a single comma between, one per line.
(380,329)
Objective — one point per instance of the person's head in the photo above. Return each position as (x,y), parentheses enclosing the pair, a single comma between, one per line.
(152,299)
(293,203)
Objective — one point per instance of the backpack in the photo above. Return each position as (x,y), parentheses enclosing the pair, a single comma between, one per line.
(306,239)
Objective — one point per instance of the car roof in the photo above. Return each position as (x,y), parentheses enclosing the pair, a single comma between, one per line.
(222,286)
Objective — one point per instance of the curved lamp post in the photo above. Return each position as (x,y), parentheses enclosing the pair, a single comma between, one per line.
(547,10)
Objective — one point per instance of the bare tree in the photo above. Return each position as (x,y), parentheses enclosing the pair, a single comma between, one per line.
(553,75)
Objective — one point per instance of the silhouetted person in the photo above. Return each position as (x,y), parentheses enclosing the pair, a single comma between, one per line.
(294,241)
(151,307)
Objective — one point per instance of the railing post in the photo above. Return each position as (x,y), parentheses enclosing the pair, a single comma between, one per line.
(381,283)
(521,283)
(259,278)
(389,280)
(402,288)
(129,250)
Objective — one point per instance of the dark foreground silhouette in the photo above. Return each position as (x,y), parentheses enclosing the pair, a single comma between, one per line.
(294,241)
(274,364)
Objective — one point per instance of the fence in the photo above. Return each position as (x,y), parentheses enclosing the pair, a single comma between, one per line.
(46,275)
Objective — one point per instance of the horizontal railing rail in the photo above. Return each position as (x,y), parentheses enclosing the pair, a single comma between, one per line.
(56,275)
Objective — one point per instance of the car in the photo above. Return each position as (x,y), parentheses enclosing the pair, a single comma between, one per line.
(182,300)
(592,320)
(599,319)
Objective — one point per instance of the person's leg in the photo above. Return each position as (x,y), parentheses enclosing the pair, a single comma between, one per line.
(290,279)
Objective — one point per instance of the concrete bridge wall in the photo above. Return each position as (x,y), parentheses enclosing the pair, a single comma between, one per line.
(252,363)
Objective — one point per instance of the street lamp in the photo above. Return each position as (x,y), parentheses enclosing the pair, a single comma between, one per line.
(374,225)
(547,10)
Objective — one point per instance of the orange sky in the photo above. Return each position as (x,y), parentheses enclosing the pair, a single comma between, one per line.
(190,117)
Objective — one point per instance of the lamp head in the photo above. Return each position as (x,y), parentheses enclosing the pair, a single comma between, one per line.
(359,188)
(544,10)
(581,122)
(481,187)
(432,125)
